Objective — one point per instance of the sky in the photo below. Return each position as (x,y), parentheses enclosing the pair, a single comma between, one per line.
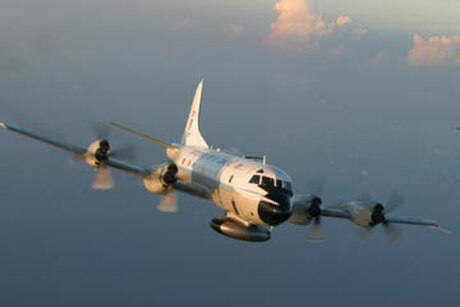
(359,95)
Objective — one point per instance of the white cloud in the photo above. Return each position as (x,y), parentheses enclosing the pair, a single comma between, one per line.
(299,25)
(342,20)
(434,51)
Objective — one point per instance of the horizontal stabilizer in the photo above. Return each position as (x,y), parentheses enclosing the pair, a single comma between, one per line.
(144,136)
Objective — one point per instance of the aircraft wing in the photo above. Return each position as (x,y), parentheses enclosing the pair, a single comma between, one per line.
(73,149)
(418,222)
(129,168)
(79,151)
(411,221)
(336,213)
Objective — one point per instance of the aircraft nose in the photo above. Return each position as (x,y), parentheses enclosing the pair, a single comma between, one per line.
(274,215)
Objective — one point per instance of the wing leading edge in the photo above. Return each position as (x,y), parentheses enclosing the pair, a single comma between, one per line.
(73,149)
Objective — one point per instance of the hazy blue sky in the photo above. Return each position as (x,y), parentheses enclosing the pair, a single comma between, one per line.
(358,94)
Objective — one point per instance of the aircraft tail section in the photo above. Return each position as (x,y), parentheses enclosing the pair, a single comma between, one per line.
(192,135)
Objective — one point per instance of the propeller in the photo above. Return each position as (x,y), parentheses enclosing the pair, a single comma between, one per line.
(378,216)
(98,155)
(314,212)
(379,210)
(103,180)
(168,201)
(125,152)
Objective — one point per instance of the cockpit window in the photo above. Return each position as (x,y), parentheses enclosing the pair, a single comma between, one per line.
(287,186)
(255,179)
(268,181)
(279,183)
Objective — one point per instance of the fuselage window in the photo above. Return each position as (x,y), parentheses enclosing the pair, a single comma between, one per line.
(268,181)
(235,207)
(255,179)
(183,161)
(231,178)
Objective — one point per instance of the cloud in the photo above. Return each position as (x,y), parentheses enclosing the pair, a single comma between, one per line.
(434,51)
(298,25)
(342,20)
(235,32)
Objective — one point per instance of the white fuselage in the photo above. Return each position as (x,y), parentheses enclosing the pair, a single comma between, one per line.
(227,180)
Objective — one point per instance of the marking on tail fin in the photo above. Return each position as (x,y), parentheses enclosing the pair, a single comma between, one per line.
(192,135)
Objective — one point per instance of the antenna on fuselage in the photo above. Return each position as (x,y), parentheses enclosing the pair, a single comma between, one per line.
(260,159)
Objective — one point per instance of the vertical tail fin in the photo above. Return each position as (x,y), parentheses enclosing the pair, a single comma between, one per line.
(192,135)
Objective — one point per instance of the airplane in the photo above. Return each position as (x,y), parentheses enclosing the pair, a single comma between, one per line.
(255,196)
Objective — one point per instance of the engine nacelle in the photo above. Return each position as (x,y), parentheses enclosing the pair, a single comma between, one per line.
(161,179)
(305,208)
(230,228)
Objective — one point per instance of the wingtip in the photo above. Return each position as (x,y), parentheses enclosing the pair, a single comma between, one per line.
(443,230)
(2,125)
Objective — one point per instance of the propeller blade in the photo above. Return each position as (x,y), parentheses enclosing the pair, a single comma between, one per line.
(393,233)
(102,131)
(103,180)
(363,233)
(317,188)
(365,197)
(168,203)
(76,159)
(394,201)
(125,153)
(316,235)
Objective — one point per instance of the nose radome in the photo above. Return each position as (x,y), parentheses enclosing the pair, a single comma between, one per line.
(274,215)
